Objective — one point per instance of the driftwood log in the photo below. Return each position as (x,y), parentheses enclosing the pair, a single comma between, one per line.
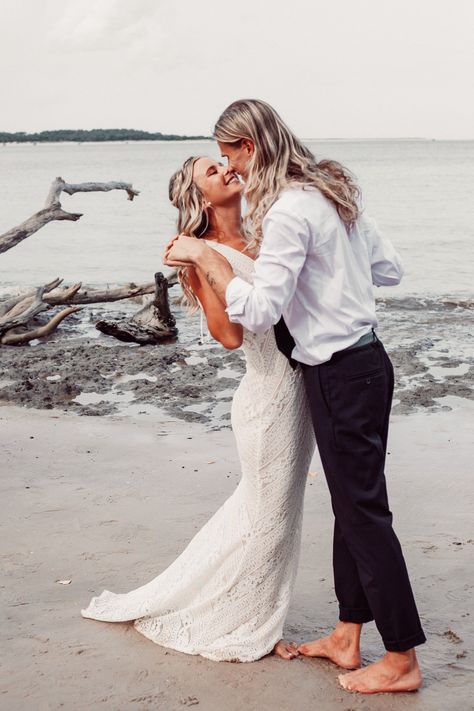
(18,311)
(53,210)
(14,337)
(96,296)
(153,323)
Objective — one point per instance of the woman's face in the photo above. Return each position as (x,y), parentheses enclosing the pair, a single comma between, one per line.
(238,156)
(218,184)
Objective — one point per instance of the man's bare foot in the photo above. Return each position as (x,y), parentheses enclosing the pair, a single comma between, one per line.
(340,647)
(285,650)
(397,671)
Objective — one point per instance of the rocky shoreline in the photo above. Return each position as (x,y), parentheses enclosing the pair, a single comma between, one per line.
(76,370)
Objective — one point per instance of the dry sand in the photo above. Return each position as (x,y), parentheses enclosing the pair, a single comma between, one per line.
(109,502)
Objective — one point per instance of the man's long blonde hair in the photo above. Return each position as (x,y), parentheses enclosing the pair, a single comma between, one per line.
(280,160)
(192,219)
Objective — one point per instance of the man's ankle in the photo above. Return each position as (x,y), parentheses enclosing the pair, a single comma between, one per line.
(405,661)
(348,630)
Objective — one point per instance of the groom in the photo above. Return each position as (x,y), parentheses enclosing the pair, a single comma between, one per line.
(317,262)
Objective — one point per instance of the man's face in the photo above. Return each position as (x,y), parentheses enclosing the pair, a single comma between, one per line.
(238,156)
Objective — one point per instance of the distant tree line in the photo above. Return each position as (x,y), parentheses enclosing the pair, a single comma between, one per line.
(95,134)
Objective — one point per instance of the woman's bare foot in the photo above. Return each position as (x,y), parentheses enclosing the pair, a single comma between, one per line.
(285,650)
(397,671)
(340,647)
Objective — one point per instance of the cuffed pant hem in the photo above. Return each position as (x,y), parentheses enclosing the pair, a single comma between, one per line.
(358,615)
(404,645)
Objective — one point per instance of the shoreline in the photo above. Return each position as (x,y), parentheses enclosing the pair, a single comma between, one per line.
(109,502)
(114,142)
(409,139)
(80,370)
(193,382)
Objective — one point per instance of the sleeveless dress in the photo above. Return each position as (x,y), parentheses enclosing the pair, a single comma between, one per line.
(227,595)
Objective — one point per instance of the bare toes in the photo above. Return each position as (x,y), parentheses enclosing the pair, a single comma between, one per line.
(344,682)
(292,647)
(285,650)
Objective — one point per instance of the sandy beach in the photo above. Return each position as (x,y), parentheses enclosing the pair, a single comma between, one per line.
(107,502)
(114,454)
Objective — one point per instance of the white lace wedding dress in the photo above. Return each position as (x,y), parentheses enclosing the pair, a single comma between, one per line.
(227,595)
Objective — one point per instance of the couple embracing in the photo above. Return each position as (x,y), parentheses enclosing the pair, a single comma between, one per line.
(292,284)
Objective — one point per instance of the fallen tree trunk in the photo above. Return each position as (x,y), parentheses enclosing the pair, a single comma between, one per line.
(153,323)
(8,304)
(23,312)
(53,210)
(16,312)
(77,295)
(96,296)
(15,338)
(23,309)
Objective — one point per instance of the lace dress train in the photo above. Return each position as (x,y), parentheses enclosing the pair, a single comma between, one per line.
(227,595)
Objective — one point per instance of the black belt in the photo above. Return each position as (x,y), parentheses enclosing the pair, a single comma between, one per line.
(369,337)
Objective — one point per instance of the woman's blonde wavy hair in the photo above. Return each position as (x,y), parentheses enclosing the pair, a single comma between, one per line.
(280,160)
(192,220)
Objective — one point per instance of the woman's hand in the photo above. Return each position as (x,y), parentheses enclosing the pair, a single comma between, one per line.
(167,250)
(170,243)
(183,251)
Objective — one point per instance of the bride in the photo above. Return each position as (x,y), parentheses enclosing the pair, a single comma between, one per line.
(227,595)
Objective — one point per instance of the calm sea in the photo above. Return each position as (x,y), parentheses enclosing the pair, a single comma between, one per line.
(420,192)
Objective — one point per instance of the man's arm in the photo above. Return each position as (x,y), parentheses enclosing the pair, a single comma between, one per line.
(259,305)
(385,263)
(256,306)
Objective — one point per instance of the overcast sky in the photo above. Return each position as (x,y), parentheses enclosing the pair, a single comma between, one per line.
(332,68)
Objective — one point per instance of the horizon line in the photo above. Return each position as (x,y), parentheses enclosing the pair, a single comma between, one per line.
(197,136)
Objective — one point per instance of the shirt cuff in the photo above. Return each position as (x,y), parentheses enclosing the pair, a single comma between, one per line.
(236,296)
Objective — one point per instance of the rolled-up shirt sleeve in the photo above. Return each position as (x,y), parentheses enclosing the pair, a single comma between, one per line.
(385,262)
(259,305)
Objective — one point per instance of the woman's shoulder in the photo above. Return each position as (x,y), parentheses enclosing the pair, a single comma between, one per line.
(239,261)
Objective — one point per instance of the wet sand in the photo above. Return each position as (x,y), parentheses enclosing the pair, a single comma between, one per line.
(78,369)
(109,502)
(192,382)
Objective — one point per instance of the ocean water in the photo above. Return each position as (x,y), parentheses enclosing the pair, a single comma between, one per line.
(420,192)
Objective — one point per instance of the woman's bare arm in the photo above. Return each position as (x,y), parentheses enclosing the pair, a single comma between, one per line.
(227,333)
(214,267)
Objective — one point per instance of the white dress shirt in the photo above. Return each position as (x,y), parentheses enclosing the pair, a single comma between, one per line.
(316,274)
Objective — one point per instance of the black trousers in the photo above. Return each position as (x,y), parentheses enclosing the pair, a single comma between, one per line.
(350,398)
